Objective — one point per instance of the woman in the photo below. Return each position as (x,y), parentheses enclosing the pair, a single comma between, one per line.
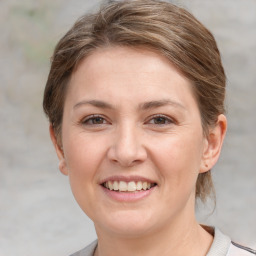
(135,100)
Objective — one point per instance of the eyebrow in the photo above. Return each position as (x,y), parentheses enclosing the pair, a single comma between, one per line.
(142,106)
(160,103)
(95,103)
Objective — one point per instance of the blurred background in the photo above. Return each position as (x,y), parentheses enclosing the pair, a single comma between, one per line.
(38,215)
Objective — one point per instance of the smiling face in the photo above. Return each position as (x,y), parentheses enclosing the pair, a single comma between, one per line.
(132,140)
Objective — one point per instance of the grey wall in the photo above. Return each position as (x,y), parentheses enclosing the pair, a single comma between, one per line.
(38,215)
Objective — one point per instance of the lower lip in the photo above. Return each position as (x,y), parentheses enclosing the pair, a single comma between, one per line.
(128,196)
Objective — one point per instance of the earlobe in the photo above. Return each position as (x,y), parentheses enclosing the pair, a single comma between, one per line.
(59,151)
(63,166)
(213,144)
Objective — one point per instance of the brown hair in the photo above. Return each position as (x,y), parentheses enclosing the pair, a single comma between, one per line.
(170,30)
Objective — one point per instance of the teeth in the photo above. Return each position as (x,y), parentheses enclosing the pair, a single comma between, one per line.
(144,185)
(122,186)
(110,185)
(116,185)
(139,185)
(131,186)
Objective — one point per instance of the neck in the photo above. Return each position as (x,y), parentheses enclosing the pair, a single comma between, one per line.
(184,236)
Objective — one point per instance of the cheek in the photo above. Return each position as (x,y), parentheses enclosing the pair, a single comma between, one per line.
(83,157)
(82,153)
(82,163)
(178,160)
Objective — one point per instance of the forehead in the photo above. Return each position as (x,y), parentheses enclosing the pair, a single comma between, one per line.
(123,71)
(123,59)
(112,56)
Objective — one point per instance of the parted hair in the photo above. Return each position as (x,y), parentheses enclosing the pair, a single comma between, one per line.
(166,28)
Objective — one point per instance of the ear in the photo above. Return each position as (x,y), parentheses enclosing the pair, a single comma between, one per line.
(213,144)
(62,162)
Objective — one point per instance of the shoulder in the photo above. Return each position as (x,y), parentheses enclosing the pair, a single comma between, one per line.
(223,246)
(239,250)
(87,251)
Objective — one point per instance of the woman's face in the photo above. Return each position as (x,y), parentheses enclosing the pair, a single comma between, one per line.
(132,140)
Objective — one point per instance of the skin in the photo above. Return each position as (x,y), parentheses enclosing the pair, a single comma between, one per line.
(130,139)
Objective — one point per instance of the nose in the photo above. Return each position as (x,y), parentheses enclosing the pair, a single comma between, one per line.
(127,148)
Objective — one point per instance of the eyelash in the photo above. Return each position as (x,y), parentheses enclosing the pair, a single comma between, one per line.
(165,118)
(94,117)
(91,118)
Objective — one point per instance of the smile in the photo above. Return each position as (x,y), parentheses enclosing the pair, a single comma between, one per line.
(131,186)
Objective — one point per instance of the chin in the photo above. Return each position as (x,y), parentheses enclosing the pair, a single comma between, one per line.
(128,224)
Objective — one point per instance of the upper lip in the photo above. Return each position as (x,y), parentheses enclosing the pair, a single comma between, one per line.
(126,179)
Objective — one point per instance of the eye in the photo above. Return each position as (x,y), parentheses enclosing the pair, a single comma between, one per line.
(160,120)
(94,120)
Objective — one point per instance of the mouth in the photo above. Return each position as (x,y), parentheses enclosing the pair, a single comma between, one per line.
(131,186)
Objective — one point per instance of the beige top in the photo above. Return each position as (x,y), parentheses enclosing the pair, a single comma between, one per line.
(221,246)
